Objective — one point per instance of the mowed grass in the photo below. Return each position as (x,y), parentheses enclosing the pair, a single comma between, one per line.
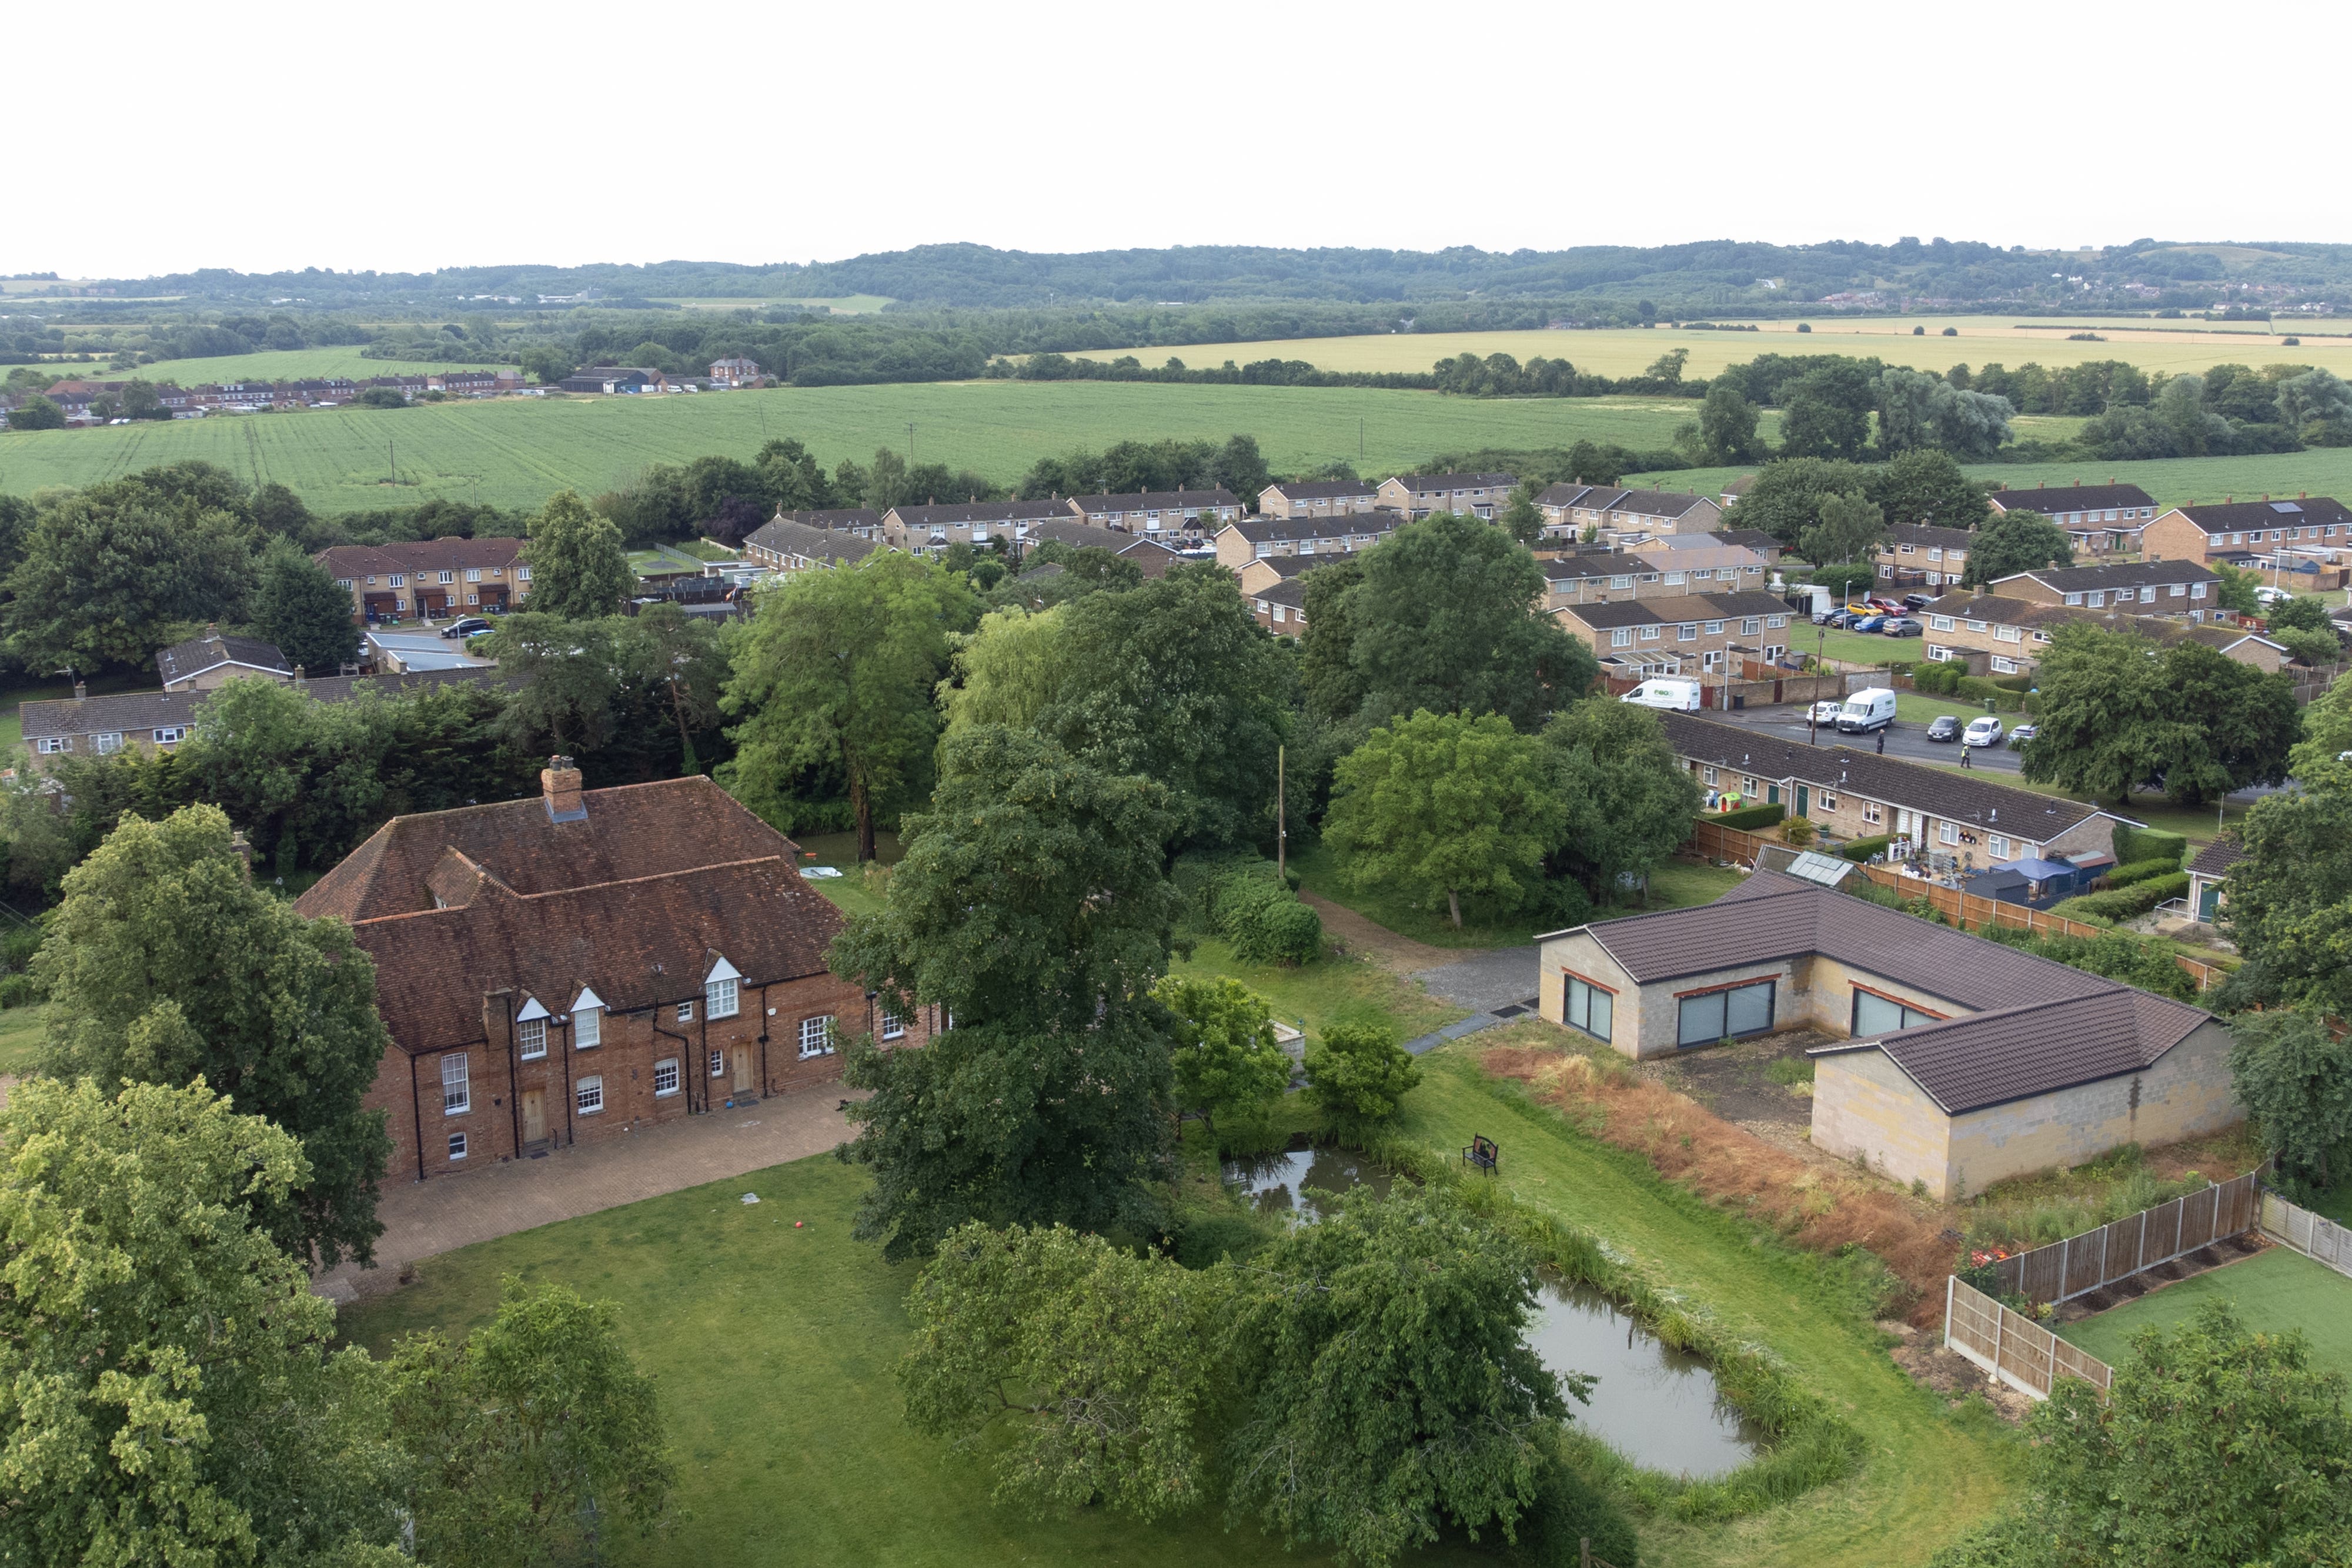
(1329,991)
(518,450)
(1628,351)
(1427,919)
(2275,1290)
(773,1346)
(20,1037)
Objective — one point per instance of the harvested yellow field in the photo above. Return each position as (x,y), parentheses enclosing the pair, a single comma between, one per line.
(2172,346)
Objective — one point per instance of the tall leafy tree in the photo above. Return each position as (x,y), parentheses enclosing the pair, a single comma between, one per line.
(1726,426)
(1226,1060)
(837,668)
(663,650)
(1328,677)
(1927,485)
(1825,412)
(171,1395)
(526,1436)
(2014,542)
(1628,800)
(1520,519)
(1356,1078)
(1032,910)
(2290,904)
(2293,1075)
(1174,681)
(165,965)
(1850,529)
(1787,496)
(2242,722)
(1921,409)
(579,567)
(2105,724)
(1442,804)
(297,605)
(1374,1441)
(565,678)
(2218,1446)
(116,571)
(1101,1362)
(1450,618)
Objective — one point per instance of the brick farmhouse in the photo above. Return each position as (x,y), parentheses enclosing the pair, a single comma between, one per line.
(567,968)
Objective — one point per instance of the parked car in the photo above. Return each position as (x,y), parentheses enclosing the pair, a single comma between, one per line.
(1901,626)
(1826,713)
(1944,727)
(1985,731)
(1917,600)
(1842,620)
(1869,623)
(471,626)
(2021,734)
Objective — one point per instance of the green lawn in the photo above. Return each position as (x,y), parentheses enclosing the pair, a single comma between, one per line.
(1330,991)
(518,450)
(20,1036)
(1317,867)
(773,1348)
(2277,1289)
(1678,884)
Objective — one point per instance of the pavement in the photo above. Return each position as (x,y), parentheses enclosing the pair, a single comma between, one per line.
(445,1212)
(1498,985)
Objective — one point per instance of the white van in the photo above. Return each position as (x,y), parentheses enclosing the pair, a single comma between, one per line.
(1683,696)
(1871,708)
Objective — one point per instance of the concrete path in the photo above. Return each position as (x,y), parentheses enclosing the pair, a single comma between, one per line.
(422,1219)
(1497,984)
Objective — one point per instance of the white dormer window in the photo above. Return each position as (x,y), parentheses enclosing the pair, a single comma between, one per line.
(530,1030)
(587,1021)
(721,988)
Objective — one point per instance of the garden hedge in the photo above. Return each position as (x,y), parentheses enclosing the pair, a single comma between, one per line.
(2118,903)
(1750,816)
(2140,871)
(1860,851)
(2133,845)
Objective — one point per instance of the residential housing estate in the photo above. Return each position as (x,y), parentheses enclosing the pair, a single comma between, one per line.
(570,968)
(1949,1061)
(2311,535)
(1613,511)
(1680,634)
(428,578)
(86,726)
(2102,519)
(1998,635)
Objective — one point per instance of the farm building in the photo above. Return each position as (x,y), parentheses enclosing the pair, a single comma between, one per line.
(1955,1063)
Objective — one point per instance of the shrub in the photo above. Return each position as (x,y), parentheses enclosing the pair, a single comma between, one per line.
(18,944)
(19,991)
(1568,1510)
(1938,680)
(2140,871)
(1356,1074)
(2119,904)
(1860,850)
(2135,844)
(1797,832)
(1751,817)
(1278,931)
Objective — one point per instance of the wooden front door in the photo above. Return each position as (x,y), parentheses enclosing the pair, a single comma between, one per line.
(742,1070)
(534,1115)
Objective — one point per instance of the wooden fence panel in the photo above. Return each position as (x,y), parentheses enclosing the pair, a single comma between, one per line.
(2315,1236)
(2014,1348)
(2080,1264)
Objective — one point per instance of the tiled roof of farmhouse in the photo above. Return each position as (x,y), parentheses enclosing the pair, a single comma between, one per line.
(634,832)
(2030,1025)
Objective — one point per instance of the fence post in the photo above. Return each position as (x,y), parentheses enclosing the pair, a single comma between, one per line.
(1999,1322)
(1584,1552)
(2065,1258)
(1950,1280)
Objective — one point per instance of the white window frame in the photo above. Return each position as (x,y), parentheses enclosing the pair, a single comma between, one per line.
(893,1026)
(51,745)
(1948,832)
(456,1084)
(666,1078)
(587,1028)
(1939,622)
(816,1036)
(530,1038)
(1872,813)
(457,1146)
(171,735)
(2004,665)
(588,1094)
(107,743)
(1708,774)
(2074,599)
(1998,846)
(718,1064)
(1621,637)
(685,1011)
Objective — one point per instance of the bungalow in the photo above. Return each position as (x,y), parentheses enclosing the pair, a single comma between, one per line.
(1266,570)
(1251,539)
(1571,508)
(1317,498)
(202,663)
(1419,495)
(1955,821)
(2182,588)
(930,528)
(1915,553)
(1177,511)
(1953,1061)
(574,966)
(2103,519)
(792,547)
(1680,634)
(1995,634)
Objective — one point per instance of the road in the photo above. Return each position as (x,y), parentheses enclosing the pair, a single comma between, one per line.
(1908,741)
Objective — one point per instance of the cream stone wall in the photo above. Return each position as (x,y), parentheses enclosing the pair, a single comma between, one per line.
(2187,1092)
(1828,1001)
(1866,1108)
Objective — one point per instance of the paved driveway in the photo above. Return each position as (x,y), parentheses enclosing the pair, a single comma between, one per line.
(1497,986)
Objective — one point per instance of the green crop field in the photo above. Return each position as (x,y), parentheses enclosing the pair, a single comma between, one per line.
(2276,1290)
(269,365)
(518,450)
(1627,351)
(2173,481)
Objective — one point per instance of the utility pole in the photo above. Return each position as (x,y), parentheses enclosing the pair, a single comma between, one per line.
(392,452)
(1359,438)
(1281,813)
(911,443)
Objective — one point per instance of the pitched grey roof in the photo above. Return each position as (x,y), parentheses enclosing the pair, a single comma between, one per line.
(1926,536)
(1289,590)
(1456,481)
(785,536)
(1677,607)
(183,660)
(2114,574)
(837,518)
(2035,615)
(1154,501)
(1941,792)
(1323,489)
(1265,530)
(1612,499)
(929,517)
(2215,857)
(125,712)
(2050,499)
(2230,518)
(2033,1025)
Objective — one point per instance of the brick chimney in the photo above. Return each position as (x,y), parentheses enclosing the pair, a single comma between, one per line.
(558,785)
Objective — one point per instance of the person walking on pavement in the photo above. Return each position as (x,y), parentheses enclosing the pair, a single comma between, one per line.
(1882,743)
(1964,757)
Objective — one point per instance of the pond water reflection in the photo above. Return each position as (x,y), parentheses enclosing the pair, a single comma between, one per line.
(1658,1406)
(1295,1183)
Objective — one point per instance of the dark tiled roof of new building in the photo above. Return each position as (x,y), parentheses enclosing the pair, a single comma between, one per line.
(2053,499)
(1677,607)
(1323,489)
(1421,482)
(418,556)
(2112,575)
(1154,501)
(2238,516)
(2215,857)
(1266,531)
(949,514)
(1926,536)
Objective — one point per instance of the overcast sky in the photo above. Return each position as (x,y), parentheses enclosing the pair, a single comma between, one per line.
(265,135)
